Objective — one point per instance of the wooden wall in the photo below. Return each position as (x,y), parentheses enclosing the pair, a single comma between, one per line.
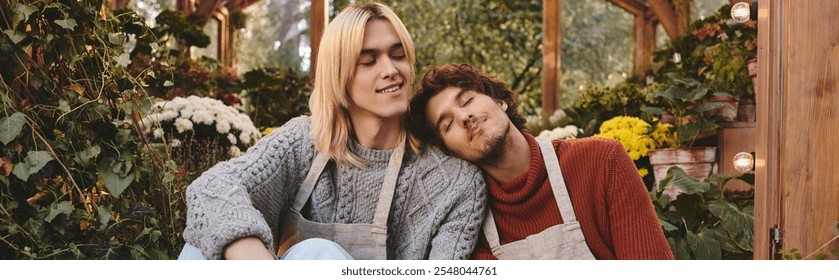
(797,175)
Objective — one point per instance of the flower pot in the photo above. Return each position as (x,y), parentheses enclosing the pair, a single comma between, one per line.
(728,111)
(697,162)
(746,110)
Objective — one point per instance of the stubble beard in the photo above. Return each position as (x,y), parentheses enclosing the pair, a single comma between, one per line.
(494,147)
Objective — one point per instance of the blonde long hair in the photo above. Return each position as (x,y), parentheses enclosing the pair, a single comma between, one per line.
(329,103)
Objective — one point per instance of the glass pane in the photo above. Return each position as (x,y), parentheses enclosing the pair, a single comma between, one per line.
(276,35)
(597,46)
(212,30)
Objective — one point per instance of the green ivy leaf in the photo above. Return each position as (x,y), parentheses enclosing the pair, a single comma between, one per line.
(84,156)
(25,10)
(116,174)
(15,36)
(104,216)
(66,23)
(116,38)
(11,126)
(142,105)
(64,106)
(63,207)
(35,160)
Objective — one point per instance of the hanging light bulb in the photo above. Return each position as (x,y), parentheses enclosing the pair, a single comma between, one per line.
(744,162)
(741,12)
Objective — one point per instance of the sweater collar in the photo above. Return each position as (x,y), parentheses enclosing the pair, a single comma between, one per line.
(523,187)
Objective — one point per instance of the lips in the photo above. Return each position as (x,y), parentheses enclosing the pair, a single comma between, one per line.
(474,129)
(391,88)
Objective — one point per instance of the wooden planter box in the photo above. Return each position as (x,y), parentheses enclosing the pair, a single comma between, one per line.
(735,137)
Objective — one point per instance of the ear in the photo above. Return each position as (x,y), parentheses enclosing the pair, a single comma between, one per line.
(502,104)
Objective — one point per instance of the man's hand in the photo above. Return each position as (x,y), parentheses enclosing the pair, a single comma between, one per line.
(247,248)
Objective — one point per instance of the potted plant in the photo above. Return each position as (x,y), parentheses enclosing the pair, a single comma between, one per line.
(707,223)
(688,102)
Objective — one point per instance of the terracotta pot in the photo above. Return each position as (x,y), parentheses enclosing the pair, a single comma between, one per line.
(697,162)
(746,110)
(729,109)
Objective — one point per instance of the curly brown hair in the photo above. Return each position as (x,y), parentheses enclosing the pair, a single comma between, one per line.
(462,76)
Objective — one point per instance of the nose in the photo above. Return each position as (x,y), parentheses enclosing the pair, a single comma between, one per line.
(388,69)
(465,117)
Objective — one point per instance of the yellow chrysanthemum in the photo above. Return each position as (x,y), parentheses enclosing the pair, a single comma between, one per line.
(632,134)
(267,131)
(643,172)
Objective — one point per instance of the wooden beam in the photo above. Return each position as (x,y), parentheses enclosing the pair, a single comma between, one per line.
(207,8)
(187,7)
(551,58)
(768,130)
(667,16)
(317,23)
(644,44)
(634,7)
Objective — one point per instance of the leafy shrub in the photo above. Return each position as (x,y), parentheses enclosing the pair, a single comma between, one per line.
(707,223)
(275,96)
(85,183)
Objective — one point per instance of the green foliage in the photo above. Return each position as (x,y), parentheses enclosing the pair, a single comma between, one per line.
(687,101)
(708,222)
(275,96)
(85,184)
(715,52)
(597,104)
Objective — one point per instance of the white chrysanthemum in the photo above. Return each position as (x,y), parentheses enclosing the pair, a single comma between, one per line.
(175,142)
(558,115)
(231,138)
(245,138)
(235,152)
(182,125)
(222,126)
(186,113)
(203,117)
(157,133)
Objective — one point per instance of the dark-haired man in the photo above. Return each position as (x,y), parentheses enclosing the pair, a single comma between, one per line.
(576,199)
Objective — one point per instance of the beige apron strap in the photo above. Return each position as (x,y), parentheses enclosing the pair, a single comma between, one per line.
(490,230)
(389,186)
(309,183)
(563,200)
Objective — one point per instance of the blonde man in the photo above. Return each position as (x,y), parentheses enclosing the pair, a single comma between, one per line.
(344,174)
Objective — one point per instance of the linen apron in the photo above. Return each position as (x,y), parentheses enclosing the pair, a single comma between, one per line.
(560,242)
(361,241)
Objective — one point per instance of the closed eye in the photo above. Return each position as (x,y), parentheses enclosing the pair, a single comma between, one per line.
(468,101)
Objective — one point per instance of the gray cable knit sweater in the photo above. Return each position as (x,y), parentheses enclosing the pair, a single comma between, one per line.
(436,213)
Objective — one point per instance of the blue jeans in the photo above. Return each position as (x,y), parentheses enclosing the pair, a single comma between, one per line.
(309,249)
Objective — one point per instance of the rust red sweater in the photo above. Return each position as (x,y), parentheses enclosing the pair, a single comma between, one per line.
(609,199)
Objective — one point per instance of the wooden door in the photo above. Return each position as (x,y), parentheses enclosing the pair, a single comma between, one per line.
(797,146)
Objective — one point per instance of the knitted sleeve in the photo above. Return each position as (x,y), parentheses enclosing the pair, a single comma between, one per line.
(458,233)
(246,195)
(635,230)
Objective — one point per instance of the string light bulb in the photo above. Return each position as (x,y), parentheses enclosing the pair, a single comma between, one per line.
(741,12)
(744,162)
